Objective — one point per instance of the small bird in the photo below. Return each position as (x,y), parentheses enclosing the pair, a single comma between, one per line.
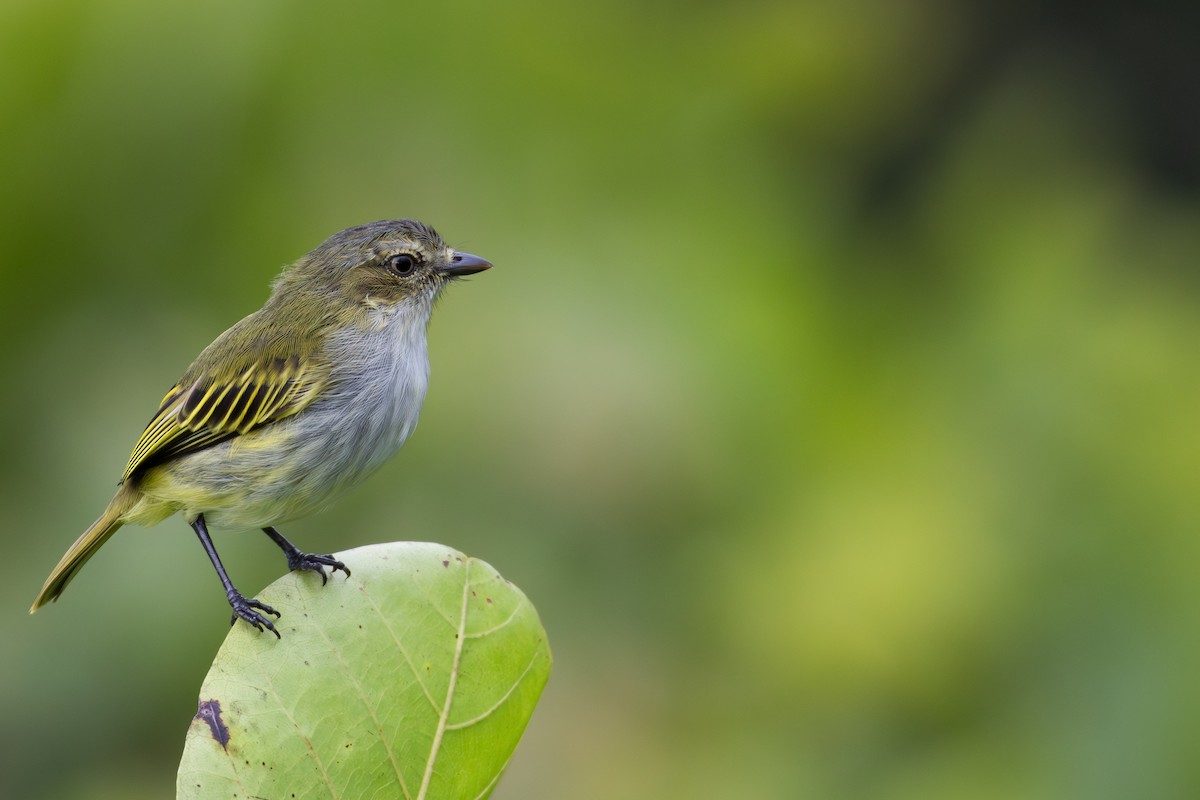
(291,406)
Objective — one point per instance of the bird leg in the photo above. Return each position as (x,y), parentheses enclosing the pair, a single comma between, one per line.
(298,559)
(242,607)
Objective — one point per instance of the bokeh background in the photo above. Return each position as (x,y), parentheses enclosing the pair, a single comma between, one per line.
(834,396)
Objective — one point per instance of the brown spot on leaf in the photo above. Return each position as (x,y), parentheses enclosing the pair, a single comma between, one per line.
(446,564)
(210,712)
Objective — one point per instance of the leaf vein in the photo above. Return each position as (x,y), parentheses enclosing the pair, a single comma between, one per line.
(492,783)
(383,737)
(307,742)
(400,646)
(487,713)
(459,639)
(480,634)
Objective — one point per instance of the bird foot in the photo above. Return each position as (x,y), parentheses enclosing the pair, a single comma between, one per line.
(314,562)
(245,608)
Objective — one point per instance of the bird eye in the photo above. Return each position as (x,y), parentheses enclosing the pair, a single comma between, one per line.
(402,264)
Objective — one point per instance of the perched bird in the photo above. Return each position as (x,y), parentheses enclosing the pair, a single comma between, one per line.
(291,406)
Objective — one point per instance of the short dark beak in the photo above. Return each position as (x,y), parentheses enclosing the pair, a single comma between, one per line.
(465,264)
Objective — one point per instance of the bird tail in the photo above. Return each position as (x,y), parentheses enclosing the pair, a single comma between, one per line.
(86,545)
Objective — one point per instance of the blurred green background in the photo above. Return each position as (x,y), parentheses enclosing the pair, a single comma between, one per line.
(834,396)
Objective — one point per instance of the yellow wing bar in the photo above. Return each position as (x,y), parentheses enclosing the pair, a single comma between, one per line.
(210,410)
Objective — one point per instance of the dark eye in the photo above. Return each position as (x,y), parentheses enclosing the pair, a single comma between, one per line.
(402,264)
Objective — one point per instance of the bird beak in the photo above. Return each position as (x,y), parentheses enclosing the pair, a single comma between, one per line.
(465,264)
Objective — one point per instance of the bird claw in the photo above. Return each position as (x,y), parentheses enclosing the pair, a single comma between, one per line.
(314,562)
(245,609)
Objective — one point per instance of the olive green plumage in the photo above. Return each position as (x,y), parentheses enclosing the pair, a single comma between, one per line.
(294,403)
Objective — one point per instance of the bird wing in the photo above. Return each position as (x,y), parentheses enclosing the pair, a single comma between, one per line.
(202,410)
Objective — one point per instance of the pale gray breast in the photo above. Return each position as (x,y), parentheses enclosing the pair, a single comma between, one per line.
(379,382)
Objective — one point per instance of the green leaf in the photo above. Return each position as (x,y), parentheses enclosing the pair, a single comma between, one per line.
(413,678)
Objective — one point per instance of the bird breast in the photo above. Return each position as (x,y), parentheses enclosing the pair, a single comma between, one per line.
(379,379)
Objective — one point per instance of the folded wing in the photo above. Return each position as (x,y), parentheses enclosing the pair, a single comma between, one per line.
(212,408)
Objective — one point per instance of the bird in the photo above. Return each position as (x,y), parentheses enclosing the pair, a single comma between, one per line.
(292,405)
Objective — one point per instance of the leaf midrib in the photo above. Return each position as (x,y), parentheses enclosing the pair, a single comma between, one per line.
(444,716)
